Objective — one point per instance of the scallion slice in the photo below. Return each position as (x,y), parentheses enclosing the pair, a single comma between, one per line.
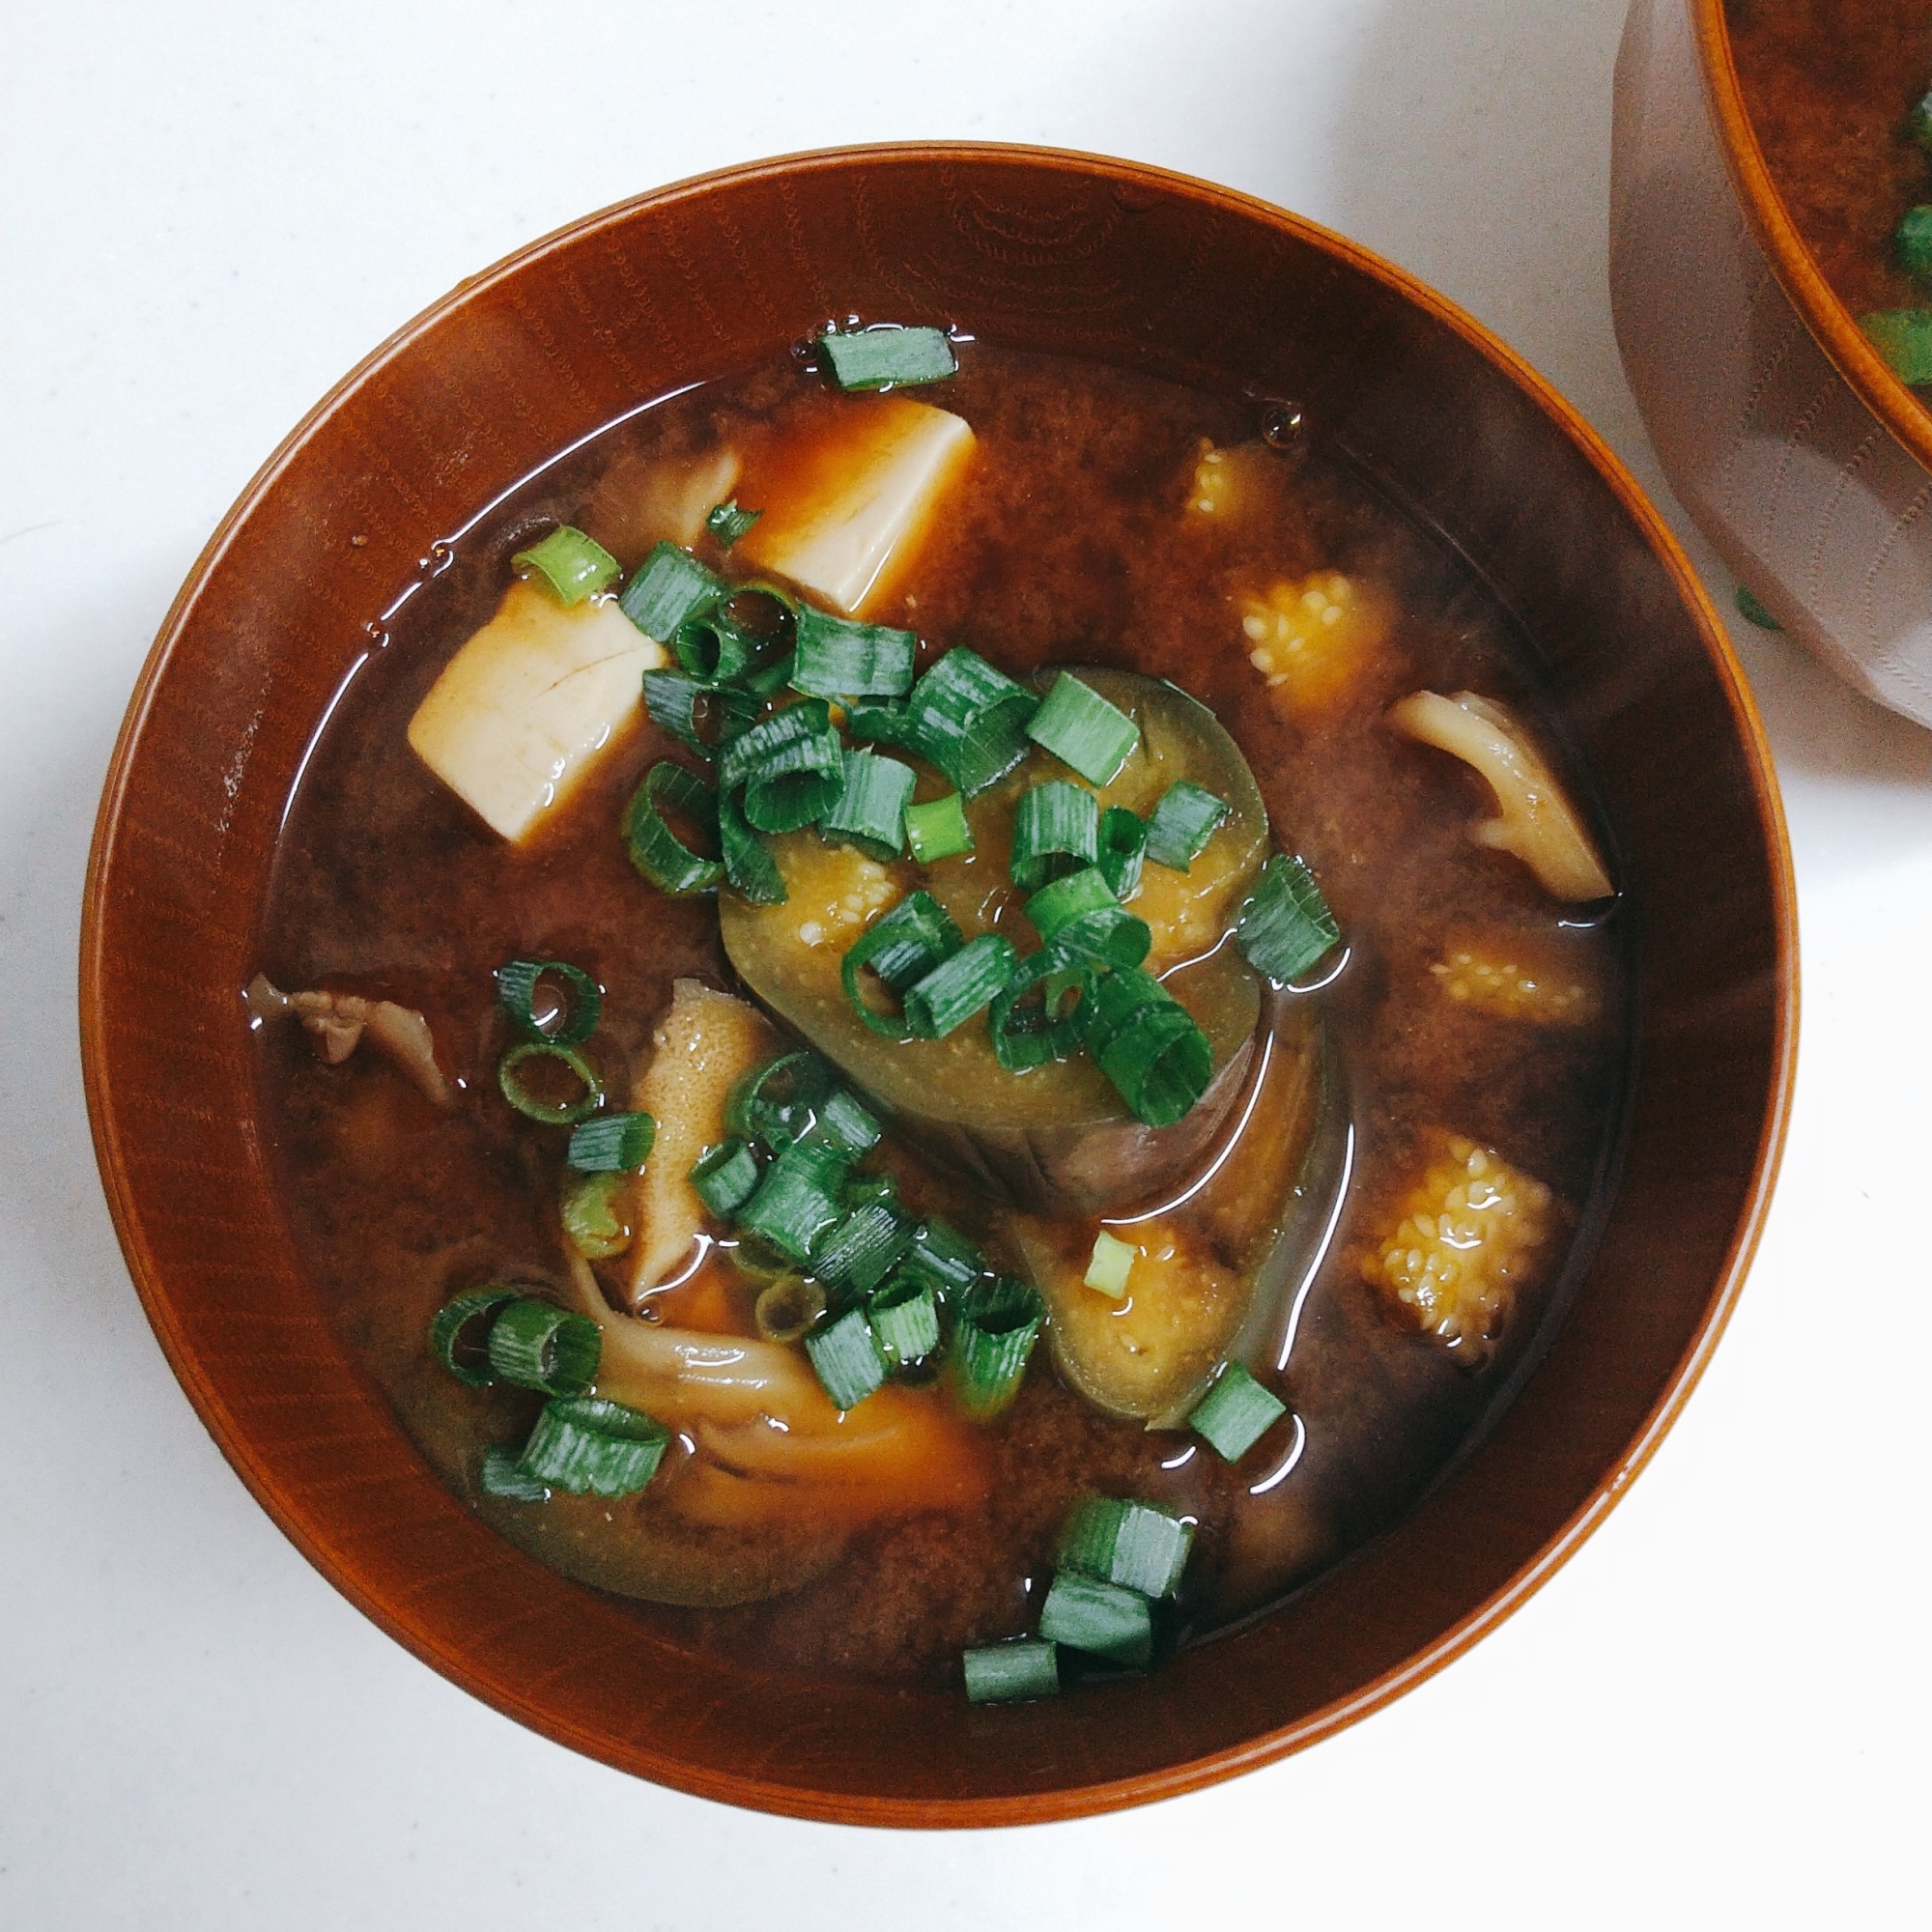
(712,648)
(1148,1045)
(883,722)
(839,657)
(538,1346)
(1102,1619)
(855,1256)
(563,1022)
(861,1190)
(1131,1543)
(1285,926)
(905,1319)
(797,1199)
(1912,239)
(1029,1031)
(869,811)
(726,1177)
(1109,935)
(1182,823)
(615,1144)
(999,1320)
(844,1121)
(778,1103)
(669,590)
(953,991)
(913,938)
(750,870)
(1903,336)
(1110,1266)
(1058,905)
(1082,729)
(1236,1413)
(1008,1673)
(845,1354)
(786,1308)
(593,1447)
(938,830)
(1123,842)
(970,719)
(654,848)
(505,1476)
(728,522)
(593,1209)
(459,1337)
(573,565)
(888,357)
(791,765)
(1056,831)
(942,1256)
(513,1072)
(696,712)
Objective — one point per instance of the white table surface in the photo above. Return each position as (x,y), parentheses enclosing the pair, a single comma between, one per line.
(1714,1714)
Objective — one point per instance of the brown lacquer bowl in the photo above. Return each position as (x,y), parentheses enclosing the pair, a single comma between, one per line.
(1802,457)
(1100,259)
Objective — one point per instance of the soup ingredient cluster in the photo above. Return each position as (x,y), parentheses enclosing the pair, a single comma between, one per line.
(1465,1235)
(1309,637)
(1509,986)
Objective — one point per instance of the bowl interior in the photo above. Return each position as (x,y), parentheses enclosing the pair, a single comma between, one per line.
(1101,260)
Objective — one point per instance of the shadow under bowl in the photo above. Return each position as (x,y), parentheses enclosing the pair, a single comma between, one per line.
(1100,259)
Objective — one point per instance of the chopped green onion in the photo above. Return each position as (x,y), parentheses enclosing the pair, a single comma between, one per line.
(591,1208)
(512,1081)
(1102,1619)
(1008,1673)
(564,1023)
(913,938)
(615,1144)
(785,1310)
(953,991)
(575,566)
(1056,831)
(728,522)
(505,1476)
(970,719)
(1082,729)
(869,811)
(696,712)
(1148,1045)
(1912,240)
(1130,1544)
(1903,336)
(750,870)
(654,848)
(861,1250)
(724,1178)
(846,1357)
(669,590)
(890,355)
(1028,1032)
(1109,935)
(1066,899)
(459,1337)
(778,1103)
(887,722)
(538,1346)
(792,764)
(1112,1263)
(905,1319)
(593,1447)
(1236,1413)
(844,1121)
(861,1190)
(1754,613)
(1123,841)
(1918,124)
(713,648)
(768,680)
(797,1199)
(938,830)
(999,1320)
(1182,823)
(943,1257)
(1286,927)
(839,657)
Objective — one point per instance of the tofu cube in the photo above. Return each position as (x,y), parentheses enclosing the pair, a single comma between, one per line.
(847,505)
(526,706)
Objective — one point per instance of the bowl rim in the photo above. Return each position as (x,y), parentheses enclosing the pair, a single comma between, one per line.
(841,1806)
(1818,304)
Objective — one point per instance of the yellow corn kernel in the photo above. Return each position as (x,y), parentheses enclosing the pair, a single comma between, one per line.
(1309,638)
(1465,1237)
(1516,983)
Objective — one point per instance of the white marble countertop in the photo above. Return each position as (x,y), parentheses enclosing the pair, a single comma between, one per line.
(1714,1714)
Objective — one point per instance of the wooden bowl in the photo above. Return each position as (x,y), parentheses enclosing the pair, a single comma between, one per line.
(1108,261)
(1784,432)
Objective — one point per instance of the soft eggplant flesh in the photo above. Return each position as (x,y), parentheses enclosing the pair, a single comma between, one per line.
(1057,1138)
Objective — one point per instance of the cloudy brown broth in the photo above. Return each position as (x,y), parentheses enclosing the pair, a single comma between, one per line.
(1090,532)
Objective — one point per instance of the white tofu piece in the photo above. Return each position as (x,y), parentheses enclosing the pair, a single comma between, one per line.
(526,707)
(847,505)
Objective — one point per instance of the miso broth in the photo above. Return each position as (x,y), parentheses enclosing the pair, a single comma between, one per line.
(1468,1031)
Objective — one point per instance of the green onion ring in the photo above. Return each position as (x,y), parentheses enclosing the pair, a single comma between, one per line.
(1019,1040)
(654,848)
(516,993)
(509,1082)
(446,1331)
(539,1346)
